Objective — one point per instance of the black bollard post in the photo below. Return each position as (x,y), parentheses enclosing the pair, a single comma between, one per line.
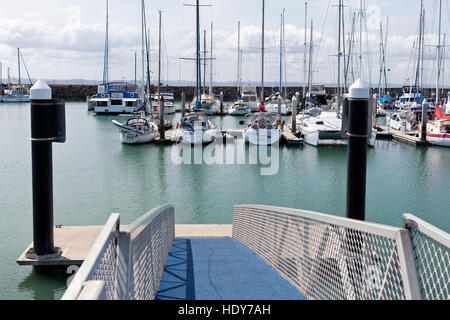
(47,126)
(162,127)
(183,104)
(221,103)
(357,150)
(423,130)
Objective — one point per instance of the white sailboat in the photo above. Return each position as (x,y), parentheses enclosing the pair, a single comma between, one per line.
(438,130)
(239,108)
(137,130)
(262,130)
(19,93)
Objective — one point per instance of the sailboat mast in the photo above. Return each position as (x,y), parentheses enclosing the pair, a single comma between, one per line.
(239,59)
(211,65)
(262,53)
(143,42)
(438,72)
(106,54)
(305,54)
(18,63)
(280,89)
(310,58)
(204,59)
(199,80)
(159,59)
(360,37)
(339,59)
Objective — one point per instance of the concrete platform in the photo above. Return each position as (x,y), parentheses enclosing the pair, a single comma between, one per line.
(74,243)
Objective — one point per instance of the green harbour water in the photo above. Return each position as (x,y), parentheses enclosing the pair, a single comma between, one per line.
(95,175)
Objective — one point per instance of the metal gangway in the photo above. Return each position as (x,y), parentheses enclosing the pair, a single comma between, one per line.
(321,256)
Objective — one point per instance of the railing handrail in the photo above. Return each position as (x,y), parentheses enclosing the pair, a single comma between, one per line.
(88,267)
(144,220)
(411,221)
(357,225)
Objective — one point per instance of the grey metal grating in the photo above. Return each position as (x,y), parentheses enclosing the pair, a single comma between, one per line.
(432,258)
(149,251)
(322,258)
(106,269)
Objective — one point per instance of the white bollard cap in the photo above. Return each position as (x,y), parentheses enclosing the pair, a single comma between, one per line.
(40,91)
(359,90)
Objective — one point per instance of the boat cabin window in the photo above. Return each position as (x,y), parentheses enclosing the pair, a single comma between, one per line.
(131,103)
(102,103)
(116,102)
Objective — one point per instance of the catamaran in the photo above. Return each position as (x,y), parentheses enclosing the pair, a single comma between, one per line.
(115,97)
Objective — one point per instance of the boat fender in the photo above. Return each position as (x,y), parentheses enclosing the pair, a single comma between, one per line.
(178,125)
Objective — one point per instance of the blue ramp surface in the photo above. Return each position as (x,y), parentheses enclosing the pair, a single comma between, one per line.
(220,269)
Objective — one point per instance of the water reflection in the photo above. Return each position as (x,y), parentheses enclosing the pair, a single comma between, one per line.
(43,286)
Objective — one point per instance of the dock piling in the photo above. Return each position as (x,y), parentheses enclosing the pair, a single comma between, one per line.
(357,150)
(183,104)
(423,133)
(47,126)
(161,119)
(295,102)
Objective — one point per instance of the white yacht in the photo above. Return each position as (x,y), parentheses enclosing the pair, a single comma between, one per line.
(169,102)
(195,129)
(317,96)
(400,121)
(325,129)
(137,130)
(438,130)
(250,97)
(239,108)
(262,130)
(117,98)
(272,105)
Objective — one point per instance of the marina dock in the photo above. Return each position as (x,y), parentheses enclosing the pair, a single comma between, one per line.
(75,242)
(399,136)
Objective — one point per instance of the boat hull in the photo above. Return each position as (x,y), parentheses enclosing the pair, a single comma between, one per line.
(133,138)
(196,137)
(262,137)
(442,140)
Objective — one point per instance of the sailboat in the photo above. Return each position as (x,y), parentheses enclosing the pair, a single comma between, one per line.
(272,103)
(239,107)
(438,130)
(262,129)
(208,101)
(324,128)
(141,128)
(17,93)
(195,128)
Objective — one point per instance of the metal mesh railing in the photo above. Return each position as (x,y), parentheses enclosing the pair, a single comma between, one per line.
(327,257)
(432,258)
(151,239)
(101,262)
(130,262)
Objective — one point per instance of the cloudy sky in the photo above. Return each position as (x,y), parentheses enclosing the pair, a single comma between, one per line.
(64,39)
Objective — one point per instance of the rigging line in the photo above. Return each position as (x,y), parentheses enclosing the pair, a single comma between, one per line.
(321,36)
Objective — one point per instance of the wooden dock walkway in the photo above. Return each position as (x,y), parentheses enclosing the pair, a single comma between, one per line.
(400,137)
